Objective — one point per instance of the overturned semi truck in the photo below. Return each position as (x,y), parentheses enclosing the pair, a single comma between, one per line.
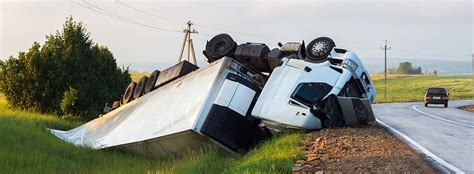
(245,94)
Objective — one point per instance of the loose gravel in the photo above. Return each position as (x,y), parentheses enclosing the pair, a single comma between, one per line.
(366,148)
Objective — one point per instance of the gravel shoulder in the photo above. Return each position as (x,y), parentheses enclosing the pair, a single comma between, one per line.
(367,148)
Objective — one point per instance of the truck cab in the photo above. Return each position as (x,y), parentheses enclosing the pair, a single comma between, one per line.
(295,86)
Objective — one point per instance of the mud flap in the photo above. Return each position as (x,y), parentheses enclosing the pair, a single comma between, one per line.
(356,110)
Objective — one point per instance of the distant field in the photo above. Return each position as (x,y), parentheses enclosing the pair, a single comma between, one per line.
(412,88)
(26,146)
(394,76)
(137,75)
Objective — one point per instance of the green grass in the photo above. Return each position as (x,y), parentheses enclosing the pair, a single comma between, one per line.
(26,146)
(411,89)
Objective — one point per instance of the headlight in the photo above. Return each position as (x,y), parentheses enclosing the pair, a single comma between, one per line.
(349,64)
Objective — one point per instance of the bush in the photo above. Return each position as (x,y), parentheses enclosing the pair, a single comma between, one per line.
(68,63)
(67,103)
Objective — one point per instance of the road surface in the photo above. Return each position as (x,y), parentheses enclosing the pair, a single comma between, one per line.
(446,132)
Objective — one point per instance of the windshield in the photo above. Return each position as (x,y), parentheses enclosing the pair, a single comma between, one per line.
(437,91)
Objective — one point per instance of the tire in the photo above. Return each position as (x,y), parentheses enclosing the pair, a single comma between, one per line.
(219,46)
(127,96)
(150,84)
(446,105)
(140,88)
(426,104)
(319,49)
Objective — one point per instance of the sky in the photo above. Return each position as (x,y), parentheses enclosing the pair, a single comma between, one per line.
(421,30)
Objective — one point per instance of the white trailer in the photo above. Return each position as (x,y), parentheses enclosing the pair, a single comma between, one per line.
(206,108)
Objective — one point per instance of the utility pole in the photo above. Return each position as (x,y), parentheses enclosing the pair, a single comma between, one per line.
(385,48)
(187,39)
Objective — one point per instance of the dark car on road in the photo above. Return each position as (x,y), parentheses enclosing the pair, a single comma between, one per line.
(436,96)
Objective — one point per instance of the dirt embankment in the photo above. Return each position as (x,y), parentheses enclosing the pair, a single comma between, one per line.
(366,148)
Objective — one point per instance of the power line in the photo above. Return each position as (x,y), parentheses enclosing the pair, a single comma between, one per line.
(151,14)
(118,17)
(242,33)
(215,28)
(200,25)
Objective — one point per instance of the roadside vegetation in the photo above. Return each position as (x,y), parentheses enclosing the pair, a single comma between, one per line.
(411,88)
(26,146)
(68,75)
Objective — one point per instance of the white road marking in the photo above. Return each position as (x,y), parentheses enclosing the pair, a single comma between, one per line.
(439,118)
(422,149)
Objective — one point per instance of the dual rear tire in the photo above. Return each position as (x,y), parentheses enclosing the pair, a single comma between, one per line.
(136,90)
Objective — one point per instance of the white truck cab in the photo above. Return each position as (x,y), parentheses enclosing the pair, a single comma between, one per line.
(297,85)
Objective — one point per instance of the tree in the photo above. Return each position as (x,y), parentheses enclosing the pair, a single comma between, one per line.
(407,68)
(404,67)
(68,63)
(435,72)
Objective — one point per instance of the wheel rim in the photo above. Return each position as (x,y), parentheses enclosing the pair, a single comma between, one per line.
(320,48)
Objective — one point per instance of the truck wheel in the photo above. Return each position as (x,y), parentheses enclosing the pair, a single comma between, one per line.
(127,96)
(140,88)
(426,105)
(219,46)
(446,105)
(319,49)
(150,84)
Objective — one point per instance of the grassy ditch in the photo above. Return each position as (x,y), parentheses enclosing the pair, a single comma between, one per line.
(26,146)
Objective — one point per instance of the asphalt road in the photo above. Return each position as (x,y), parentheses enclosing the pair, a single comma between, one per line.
(446,132)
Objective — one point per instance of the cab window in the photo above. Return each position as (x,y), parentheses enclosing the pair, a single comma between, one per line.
(310,93)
